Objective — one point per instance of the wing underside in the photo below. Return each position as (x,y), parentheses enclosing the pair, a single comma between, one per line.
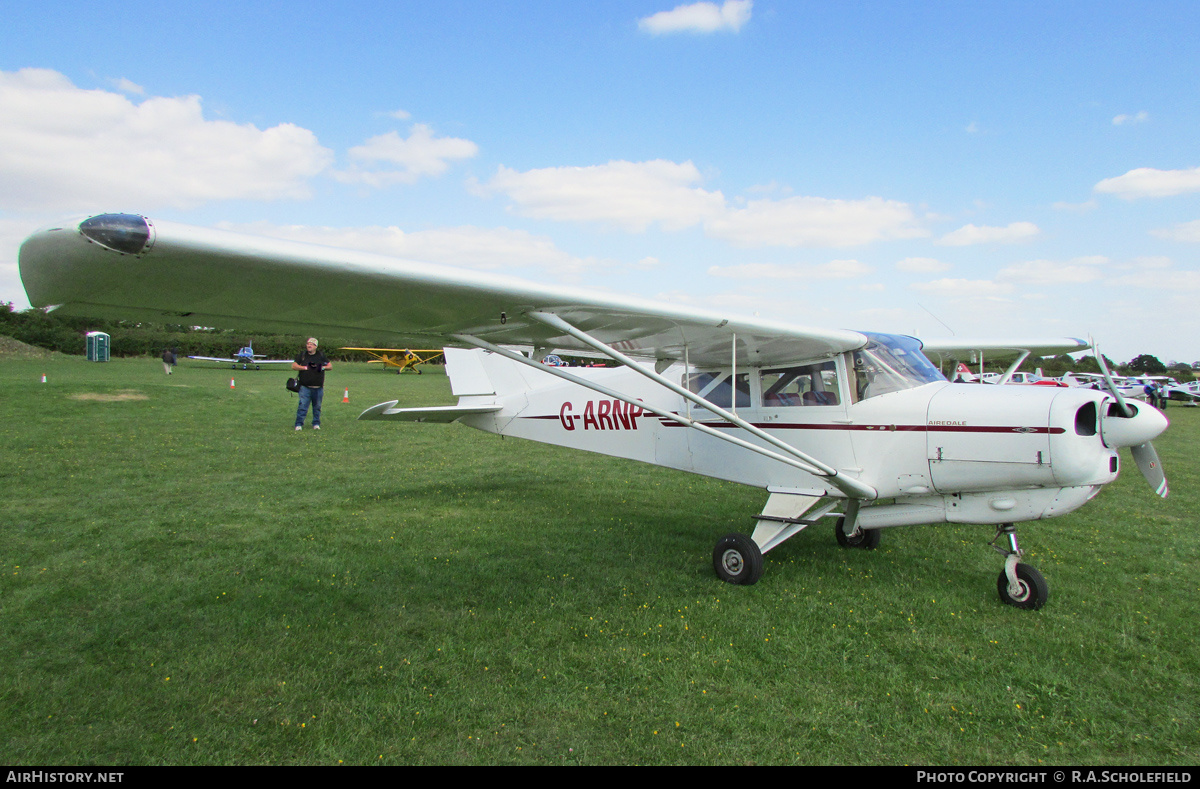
(168,272)
(967,350)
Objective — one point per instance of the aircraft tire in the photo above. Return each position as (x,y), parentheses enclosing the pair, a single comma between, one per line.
(1034,589)
(737,560)
(867,538)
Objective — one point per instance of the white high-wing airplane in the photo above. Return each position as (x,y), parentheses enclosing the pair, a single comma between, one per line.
(1188,393)
(852,426)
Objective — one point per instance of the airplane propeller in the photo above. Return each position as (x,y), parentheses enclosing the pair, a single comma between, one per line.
(1143,452)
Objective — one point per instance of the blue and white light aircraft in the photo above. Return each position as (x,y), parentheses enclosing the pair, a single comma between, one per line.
(246,357)
(855,429)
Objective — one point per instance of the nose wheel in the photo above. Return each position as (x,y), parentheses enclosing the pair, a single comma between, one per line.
(1030,591)
(1019,585)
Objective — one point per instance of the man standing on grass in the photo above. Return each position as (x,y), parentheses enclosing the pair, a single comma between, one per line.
(312,365)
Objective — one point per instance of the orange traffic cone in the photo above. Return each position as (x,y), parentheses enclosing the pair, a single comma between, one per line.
(346,397)
(43,378)
(231,386)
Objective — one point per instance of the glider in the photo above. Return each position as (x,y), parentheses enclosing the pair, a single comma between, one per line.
(855,428)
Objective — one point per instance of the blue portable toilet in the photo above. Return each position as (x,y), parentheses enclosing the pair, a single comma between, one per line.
(97,346)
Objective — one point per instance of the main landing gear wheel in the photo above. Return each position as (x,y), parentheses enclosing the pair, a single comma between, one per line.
(1032,588)
(737,560)
(866,538)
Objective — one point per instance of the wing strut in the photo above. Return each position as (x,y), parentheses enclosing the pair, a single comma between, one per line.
(850,487)
(1012,368)
(607,392)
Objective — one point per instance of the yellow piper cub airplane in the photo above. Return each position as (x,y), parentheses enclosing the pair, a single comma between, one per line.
(856,427)
(403,358)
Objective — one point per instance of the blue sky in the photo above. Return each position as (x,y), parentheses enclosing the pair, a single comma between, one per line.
(982,168)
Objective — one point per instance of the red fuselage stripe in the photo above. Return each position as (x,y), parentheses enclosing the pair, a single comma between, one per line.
(874,428)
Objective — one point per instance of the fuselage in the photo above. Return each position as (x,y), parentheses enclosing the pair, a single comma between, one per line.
(917,439)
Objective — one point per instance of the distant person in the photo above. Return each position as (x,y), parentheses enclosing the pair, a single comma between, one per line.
(312,365)
(169,360)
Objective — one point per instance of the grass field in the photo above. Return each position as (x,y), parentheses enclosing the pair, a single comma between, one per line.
(186,580)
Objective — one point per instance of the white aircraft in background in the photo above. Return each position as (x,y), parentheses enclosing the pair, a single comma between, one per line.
(1022,379)
(1130,389)
(1189,393)
(856,427)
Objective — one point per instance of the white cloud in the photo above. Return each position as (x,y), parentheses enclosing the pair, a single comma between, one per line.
(923,265)
(420,154)
(1151,261)
(835,269)
(63,148)
(814,222)
(634,195)
(12,233)
(1053,272)
(466,246)
(1149,182)
(128,86)
(699,18)
(1122,120)
(631,195)
(964,288)
(1186,231)
(968,235)
(1167,281)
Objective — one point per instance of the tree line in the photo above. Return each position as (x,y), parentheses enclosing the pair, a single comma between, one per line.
(67,334)
(127,338)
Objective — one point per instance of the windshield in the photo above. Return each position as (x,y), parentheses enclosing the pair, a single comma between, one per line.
(889,363)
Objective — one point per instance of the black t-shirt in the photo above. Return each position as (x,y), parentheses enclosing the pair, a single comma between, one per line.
(313,374)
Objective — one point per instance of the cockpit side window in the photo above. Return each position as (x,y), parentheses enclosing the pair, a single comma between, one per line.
(715,387)
(803,385)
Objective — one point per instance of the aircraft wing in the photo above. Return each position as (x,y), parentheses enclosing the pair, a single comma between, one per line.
(394,350)
(125,266)
(241,360)
(446,413)
(214,359)
(964,349)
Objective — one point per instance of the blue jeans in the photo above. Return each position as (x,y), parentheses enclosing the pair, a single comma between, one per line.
(310,394)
